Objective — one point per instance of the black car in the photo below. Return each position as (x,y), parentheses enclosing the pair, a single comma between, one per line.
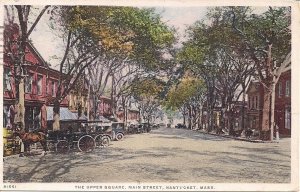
(118,131)
(180,126)
(146,127)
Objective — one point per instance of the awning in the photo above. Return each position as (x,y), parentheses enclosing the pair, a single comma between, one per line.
(65,114)
(135,122)
(103,119)
(82,117)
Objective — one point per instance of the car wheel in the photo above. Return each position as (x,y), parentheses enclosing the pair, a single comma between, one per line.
(119,136)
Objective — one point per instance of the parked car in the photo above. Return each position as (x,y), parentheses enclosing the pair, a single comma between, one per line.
(135,128)
(155,126)
(146,127)
(118,131)
(180,126)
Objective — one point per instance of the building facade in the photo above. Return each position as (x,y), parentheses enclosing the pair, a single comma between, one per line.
(41,85)
(283,103)
(255,94)
(282,113)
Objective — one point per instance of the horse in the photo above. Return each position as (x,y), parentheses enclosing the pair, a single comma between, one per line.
(31,138)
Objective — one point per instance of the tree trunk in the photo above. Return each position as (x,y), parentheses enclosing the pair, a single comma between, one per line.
(56,116)
(272,111)
(243,109)
(184,115)
(189,117)
(265,127)
(200,118)
(21,116)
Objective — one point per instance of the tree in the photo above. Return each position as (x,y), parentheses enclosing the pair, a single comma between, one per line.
(147,92)
(188,95)
(15,48)
(143,35)
(267,39)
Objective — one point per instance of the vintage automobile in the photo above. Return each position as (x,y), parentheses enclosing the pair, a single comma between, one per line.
(146,127)
(118,131)
(180,126)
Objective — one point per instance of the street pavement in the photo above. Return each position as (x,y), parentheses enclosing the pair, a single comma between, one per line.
(163,155)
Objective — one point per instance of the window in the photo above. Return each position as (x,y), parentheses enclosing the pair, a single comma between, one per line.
(287,88)
(53,88)
(279,89)
(249,103)
(6,80)
(48,87)
(256,102)
(252,107)
(28,83)
(40,85)
(288,118)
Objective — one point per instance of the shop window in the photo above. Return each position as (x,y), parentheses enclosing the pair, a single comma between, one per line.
(40,85)
(28,83)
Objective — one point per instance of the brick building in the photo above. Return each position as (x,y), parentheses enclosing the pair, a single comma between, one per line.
(255,94)
(282,111)
(41,84)
(283,103)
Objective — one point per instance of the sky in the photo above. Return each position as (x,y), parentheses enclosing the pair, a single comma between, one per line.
(50,45)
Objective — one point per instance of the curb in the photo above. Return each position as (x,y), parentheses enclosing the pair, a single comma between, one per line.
(238,138)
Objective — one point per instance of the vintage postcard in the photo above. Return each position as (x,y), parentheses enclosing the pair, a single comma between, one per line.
(149,95)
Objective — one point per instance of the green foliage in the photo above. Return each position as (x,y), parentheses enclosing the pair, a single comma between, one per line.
(186,91)
(147,88)
(135,33)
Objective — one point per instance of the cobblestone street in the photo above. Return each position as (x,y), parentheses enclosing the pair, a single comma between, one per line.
(163,155)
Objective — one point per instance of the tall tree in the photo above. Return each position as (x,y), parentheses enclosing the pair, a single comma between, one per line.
(109,37)
(267,39)
(188,95)
(15,48)
(147,92)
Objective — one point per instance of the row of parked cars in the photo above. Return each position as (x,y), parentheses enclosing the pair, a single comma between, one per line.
(141,127)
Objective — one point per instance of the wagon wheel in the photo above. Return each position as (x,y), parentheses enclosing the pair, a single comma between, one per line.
(102,140)
(105,141)
(86,143)
(119,136)
(51,146)
(62,146)
(98,140)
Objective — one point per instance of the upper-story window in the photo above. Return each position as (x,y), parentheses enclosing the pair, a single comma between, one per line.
(256,102)
(6,80)
(40,85)
(252,106)
(53,88)
(48,87)
(280,89)
(28,83)
(288,88)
